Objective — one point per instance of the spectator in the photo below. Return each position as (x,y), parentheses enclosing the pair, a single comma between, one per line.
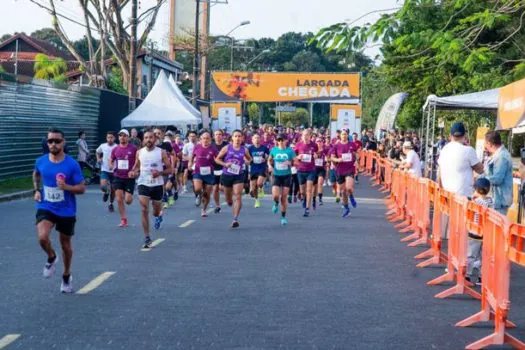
(83,150)
(498,170)
(371,143)
(395,152)
(456,163)
(134,140)
(412,163)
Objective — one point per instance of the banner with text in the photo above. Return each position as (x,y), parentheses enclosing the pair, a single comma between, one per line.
(286,87)
(511,106)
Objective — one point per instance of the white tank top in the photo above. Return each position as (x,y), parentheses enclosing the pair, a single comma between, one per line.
(150,160)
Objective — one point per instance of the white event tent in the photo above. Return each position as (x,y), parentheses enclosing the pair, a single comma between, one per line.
(162,107)
(183,99)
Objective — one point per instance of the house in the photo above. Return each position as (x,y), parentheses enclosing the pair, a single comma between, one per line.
(17,56)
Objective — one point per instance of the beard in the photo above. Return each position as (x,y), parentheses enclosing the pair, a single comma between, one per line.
(149,144)
(55,151)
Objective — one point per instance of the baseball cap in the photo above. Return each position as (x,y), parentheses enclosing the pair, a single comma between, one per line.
(124,131)
(457,129)
(169,133)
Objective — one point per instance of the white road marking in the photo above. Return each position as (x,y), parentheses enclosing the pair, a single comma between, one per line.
(154,244)
(8,339)
(96,282)
(187,223)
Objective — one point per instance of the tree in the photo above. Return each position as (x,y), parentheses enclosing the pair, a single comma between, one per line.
(299,117)
(114,81)
(49,69)
(49,35)
(253,112)
(5,37)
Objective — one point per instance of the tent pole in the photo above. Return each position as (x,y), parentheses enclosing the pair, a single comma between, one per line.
(432,141)
(426,136)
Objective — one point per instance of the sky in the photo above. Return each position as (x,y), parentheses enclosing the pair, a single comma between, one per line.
(269,18)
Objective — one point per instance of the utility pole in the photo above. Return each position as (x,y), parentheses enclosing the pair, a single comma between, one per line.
(231,55)
(133,56)
(172,31)
(196,57)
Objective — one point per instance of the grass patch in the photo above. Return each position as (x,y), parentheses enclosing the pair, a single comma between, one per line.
(16,184)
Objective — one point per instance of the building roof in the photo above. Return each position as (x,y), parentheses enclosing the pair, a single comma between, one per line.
(40,46)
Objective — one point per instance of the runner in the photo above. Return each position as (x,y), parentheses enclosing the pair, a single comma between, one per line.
(203,178)
(232,158)
(320,169)
(343,155)
(359,144)
(62,179)
(218,143)
(121,161)
(279,162)
(180,165)
(258,168)
(164,143)
(152,163)
(306,151)
(187,152)
(106,176)
(170,136)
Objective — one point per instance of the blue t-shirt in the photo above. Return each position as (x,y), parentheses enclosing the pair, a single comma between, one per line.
(59,202)
(259,155)
(280,156)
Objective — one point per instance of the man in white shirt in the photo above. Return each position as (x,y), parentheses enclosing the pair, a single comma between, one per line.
(457,162)
(187,152)
(106,176)
(412,163)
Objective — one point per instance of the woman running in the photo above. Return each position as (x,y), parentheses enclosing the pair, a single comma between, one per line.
(233,158)
(343,156)
(306,151)
(280,164)
(203,158)
(320,169)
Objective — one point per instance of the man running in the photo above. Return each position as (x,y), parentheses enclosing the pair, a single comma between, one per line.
(106,177)
(122,160)
(62,179)
(203,178)
(306,152)
(152,163)
(233,158)
(259,154)
(343,156)
(164,143)
(218,143)
(280,164)
(187,151)
(359,145)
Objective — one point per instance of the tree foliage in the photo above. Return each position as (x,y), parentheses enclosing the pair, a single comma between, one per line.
(438,47)
(49,69)
(253,112)
(299,117)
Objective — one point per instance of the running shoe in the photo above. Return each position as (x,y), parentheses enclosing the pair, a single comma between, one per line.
(171,201)
(147,243)
(257,203)
(158,222)
(290,199)
(217,210)
(306,213)
(320,202)
(314,204)
(275,208)
(105,197)
(165,205)
(304,203)
(337,199)
(49,268)
(123,223)
(284,221)
(184,189)
(176,195)
(346,212)
(353,202)
(478,283)
(235,224)
(67,285)
(111,208)
(356,181)
(198,200)
(203,213)
(261,193)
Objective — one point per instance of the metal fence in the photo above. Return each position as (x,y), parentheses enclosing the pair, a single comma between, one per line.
(28,109)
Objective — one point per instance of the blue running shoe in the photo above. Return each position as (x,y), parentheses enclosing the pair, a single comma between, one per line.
(353,202)
(158,222)
(275,208)
(346,213)
(284,222)
(306,213)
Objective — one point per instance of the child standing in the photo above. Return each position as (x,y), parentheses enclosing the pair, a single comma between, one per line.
(481,197)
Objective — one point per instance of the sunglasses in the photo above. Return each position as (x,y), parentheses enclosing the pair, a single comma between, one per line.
(55,141)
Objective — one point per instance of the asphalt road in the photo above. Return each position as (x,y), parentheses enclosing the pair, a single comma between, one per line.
(321,282)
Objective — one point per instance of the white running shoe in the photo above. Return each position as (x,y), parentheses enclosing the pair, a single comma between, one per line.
(67,287)
(49,268)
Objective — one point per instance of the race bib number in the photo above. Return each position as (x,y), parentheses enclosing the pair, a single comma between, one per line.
(294,170)
(282,166)
(258,160)
(123,164)
(205,170)
(217,172)
(306,158)
(235,169)
(53,194)
(318,162)
(347,157)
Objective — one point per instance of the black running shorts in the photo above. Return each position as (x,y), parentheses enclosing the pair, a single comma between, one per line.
(63,224)
(126,185)
(282,181)
(154,193)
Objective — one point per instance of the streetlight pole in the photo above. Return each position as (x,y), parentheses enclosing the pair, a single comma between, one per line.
(196,57)
(243,23)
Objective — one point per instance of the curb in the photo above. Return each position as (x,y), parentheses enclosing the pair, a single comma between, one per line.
(15,196)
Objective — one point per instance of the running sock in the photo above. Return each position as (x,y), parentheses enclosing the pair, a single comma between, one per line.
(235,218)
(50,260)
(65,278)
(276,202)
(351,196)
(169,193)
(320,196)
(165,197)
(346,206)
(283,214)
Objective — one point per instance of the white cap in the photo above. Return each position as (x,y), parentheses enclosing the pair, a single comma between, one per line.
(124,131)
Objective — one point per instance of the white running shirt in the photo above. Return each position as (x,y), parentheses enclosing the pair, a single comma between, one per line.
(150,160)
(105,150)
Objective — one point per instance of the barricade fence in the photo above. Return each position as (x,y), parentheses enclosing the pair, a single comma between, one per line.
(420,207)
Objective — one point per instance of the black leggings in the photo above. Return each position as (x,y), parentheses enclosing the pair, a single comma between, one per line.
(295,185)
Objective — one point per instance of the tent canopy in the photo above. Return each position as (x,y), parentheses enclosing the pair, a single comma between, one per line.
(487,99)
(183,99)
(161,108)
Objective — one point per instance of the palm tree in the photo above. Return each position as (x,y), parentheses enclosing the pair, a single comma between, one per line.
(49,69)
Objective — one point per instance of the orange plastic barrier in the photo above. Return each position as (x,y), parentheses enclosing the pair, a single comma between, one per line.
(399,212)
(421,219)
(457,251)
(502,244)
(387,183)
(362,160)
(410,206)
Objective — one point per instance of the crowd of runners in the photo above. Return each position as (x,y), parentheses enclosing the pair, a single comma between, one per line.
(292,164)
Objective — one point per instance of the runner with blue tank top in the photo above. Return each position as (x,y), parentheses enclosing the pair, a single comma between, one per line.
(232,158)
(61,179)
(258,168)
